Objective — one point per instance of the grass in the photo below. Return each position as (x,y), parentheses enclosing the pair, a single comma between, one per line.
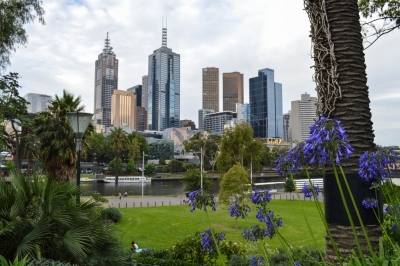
(162,227)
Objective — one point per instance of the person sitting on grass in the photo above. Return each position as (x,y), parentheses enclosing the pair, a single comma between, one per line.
(134,247)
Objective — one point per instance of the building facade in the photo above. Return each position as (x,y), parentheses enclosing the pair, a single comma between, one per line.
(141,118)
(105,82)
(302,116)
(187,123)
(210,88)
(138,91)
(287,136)
(145,93)
(266,105)
(163,88)
(202,115)
(243,112)
(216,122)
(37,102)
(123,111)
(232,92)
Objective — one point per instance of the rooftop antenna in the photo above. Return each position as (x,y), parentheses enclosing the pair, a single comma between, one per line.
(164,33)
(107,42)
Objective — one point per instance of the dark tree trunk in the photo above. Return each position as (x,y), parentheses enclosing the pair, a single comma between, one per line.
(116,172)
(352,108)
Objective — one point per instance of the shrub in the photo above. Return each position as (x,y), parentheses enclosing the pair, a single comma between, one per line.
(308,255)
(230,249)
(99,198)
(162,161)
(238,261)
(46,262)
(175,166)
(149,169)
(111,213)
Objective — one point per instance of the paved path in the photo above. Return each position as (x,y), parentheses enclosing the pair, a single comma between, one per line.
(137,202)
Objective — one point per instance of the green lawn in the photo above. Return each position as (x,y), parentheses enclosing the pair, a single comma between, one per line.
(162,227)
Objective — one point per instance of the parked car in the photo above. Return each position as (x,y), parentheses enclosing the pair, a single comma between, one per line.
(159,176)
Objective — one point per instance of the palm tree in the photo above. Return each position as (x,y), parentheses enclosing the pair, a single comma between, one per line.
(118,141)
(341,82)
(57,139)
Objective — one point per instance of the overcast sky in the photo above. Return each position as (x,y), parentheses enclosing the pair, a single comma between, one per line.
(232,35)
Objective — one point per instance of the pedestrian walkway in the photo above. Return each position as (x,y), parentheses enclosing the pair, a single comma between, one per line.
(157,201)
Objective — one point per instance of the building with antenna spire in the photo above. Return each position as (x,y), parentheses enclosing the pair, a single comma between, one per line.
(163,87)
(105,82)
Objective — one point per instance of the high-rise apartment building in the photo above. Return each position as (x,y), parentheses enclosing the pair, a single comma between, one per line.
(105,82)
(286,128)
(302,117)
(37,102)
(216,122)
(163,87)
(138,91)
(141,119)
(232,92)
(266,105)
(202,115)
(145,94)
(211,88)
(243,113)
(123,111)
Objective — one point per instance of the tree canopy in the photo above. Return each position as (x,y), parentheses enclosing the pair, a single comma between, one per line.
(234,184)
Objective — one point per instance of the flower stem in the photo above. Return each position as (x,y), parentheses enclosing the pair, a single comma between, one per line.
(215,241)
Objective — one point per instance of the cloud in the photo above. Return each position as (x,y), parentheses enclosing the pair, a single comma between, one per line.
(236,35)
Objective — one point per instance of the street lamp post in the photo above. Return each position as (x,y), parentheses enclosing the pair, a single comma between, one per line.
(79,123)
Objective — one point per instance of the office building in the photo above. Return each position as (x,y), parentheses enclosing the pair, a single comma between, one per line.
(141,118)
(266,105)
(163,87)
(211,88)
(202,115)
(37,102)
(232,92)
(138,91)
(302,117)
(216,122)
(187,123)
(123,111)
(243,112)
(145,93)
(286,128)
(105,82)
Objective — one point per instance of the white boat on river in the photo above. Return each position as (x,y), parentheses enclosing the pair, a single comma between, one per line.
(127,179)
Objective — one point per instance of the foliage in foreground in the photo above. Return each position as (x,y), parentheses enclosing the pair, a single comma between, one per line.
(112,214)
(39,218)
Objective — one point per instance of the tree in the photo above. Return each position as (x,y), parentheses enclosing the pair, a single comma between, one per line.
(289,185)
(149,169)
(383,16)
(96,145)
(134,149)
(206,143)
(239,146)
(14,111)
(14,15)
(140,145)
(112,166)
(130,166)
(341,84)
(175,166)
(234,184)
(56,139)
(193,180)
(118,141)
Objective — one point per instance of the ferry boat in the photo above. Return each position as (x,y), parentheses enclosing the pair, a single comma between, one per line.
(127,179)
(87,179)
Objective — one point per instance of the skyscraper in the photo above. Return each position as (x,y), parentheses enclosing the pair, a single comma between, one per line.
(37,102)
(266,105)
(302,117)
(243,113)
(163,87)
(211,88)
(105,82)
(123,111)
(138,91)
(232,92)
(145,94)
(202,115)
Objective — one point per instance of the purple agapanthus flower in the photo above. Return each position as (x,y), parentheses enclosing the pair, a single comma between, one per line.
(237,209)
(207,240)
(394,228)
(291,161)
(297,263)
(200,200)
(369,203)
(259,197)
(377,165)
(327,141)
(307,191)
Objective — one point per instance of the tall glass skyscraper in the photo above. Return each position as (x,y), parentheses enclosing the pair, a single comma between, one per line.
(105,82)
(266,105)
(163,87)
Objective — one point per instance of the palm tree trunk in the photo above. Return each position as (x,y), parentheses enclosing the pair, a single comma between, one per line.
(335,27)
(116,172)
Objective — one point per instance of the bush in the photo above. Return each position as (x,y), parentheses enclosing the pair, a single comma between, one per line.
(239,261)
(111,213)
(99,198)
(175,166)
(149,169)
(162,161)
(306,256)
(46,262)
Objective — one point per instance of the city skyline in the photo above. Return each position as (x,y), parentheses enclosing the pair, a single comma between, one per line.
(234,36)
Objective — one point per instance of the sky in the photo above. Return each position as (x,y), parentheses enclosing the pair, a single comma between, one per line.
(232,35)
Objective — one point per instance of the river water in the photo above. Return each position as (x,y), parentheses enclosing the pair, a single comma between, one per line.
(158,187)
